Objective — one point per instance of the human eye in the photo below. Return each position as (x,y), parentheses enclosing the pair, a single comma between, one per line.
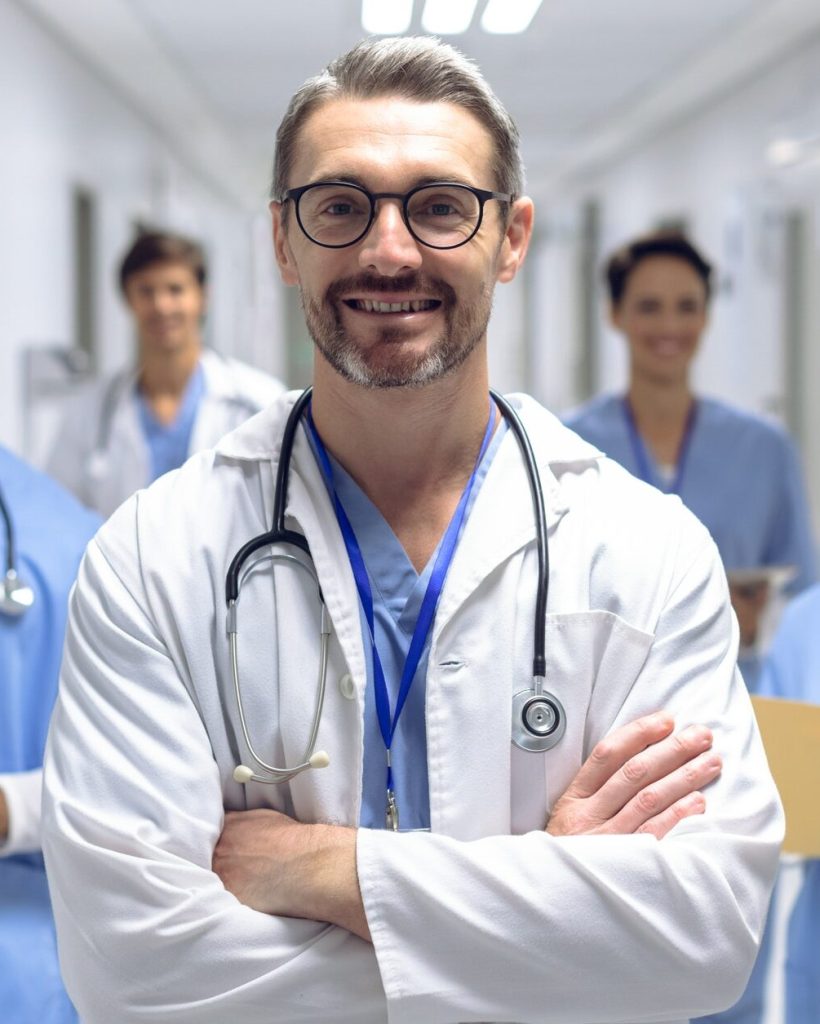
(437,204)
(333,204)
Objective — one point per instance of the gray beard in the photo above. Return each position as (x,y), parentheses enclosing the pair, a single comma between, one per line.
(380,366)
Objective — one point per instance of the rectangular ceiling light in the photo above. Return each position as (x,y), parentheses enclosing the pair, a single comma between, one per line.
(504,17)
(386,17)
(447,17)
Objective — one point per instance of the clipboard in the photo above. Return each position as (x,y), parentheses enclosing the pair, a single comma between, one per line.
(775,576)
(791,738)
(776,579)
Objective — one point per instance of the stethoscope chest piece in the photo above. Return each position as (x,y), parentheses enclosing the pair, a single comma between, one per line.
(15,596)
(538,720)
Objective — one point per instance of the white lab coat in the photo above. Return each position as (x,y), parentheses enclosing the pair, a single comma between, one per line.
(486,918)
(100,452)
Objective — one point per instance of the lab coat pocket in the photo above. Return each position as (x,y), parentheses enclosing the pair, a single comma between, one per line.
(587,652)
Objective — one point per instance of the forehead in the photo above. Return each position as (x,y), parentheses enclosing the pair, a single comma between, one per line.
(162,272)
(392,143)
(670,273)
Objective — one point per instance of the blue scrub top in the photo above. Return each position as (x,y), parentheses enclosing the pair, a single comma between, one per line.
(398,591)
(792,670)
(742,479)
(170,443)
(51,532)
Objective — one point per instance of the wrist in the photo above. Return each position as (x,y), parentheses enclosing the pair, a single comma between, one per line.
(331,879)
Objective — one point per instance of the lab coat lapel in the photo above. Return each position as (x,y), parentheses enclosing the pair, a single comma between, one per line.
(501,523)
(334,794)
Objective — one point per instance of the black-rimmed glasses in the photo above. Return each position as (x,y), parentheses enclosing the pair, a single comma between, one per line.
(441,215)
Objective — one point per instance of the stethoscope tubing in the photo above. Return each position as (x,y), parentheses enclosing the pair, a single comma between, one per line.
(278,534)
(535,698)
(11,555)
(539,661)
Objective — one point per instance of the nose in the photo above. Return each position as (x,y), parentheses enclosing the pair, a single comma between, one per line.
(388,248)
(164,301)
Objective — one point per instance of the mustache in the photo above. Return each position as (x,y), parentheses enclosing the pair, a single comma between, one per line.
(430,287)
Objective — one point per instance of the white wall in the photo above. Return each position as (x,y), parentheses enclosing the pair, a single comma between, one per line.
(61,128)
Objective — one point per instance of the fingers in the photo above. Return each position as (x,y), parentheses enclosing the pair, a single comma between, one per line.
(616,750)
(641,778)
(664,822)
(659,763)
(661,804)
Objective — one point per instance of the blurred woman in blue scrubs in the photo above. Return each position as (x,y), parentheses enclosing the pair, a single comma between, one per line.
(42,538)
(737,472)
(792,670)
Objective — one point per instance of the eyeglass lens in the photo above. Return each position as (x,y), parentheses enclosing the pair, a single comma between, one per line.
(440,215)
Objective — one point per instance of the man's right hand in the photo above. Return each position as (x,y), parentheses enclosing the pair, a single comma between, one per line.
(643,777)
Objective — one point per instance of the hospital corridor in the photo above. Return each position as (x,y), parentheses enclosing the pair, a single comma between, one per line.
(409,512)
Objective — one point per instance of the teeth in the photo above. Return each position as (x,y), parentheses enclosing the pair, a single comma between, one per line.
(416,306)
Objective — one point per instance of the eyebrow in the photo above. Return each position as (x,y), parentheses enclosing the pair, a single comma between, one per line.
(353,178)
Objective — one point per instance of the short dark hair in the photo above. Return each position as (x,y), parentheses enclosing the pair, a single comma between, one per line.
(163,247)
(622,263)
(416,68)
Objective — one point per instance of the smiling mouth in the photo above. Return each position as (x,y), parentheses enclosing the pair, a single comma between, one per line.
(408,306)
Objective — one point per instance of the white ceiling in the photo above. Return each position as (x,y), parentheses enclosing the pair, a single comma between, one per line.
(588,78)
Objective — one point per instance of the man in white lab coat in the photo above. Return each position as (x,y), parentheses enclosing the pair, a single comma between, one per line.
(122,432)
(621,874)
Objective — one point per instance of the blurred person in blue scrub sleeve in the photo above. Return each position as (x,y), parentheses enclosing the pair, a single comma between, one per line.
(739,473)
(43,533)
(792,671)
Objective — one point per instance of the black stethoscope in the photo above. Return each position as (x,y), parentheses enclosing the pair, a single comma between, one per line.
(538,716)
(16,597)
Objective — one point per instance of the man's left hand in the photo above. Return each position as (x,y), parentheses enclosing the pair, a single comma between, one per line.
(276,865)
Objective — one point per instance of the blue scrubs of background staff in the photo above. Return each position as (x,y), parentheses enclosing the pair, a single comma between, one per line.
(52,529)
(742,479)
(792,670)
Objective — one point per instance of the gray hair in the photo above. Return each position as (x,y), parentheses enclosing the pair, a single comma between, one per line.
(417,68)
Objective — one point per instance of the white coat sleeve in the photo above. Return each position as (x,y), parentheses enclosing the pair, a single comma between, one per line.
(22,791)
(596,928)
(132,811)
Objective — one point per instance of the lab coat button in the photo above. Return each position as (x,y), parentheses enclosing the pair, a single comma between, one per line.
(347,687)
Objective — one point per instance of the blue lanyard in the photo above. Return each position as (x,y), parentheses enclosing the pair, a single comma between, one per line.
(639,448)
(388,722)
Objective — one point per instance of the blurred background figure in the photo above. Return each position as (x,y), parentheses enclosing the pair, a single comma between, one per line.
(121,433)
(792,671)
(739,473)
(43,533)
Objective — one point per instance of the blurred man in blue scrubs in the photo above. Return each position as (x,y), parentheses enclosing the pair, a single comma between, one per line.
(738,472)
(792,670)
(43,533)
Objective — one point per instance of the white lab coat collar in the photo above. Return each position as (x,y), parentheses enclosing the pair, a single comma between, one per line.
(505,500)
(555,446)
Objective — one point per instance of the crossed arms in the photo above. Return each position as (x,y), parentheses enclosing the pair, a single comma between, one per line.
(138,851)
(644,778)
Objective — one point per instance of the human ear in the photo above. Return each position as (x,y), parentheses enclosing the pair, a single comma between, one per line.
(281,246)
(515,243)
